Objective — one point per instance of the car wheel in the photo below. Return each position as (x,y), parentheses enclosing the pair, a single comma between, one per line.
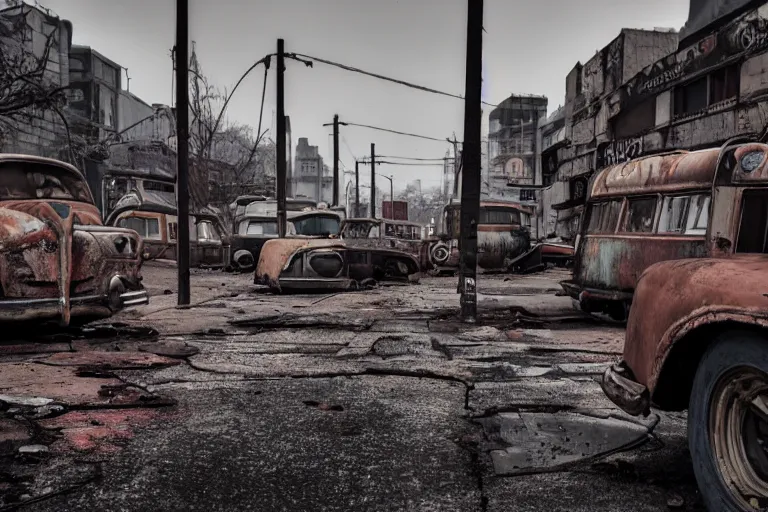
(728,423)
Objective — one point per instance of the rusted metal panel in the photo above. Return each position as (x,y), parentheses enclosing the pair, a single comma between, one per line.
(498,249)
(676,171)
(616,262)
(674,297)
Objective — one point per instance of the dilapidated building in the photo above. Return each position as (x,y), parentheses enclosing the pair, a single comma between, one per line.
(590,119)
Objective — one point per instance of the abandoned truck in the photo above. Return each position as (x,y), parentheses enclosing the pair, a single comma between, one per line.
(368,251)
(697,338)
(57,261)
(503,235)
(664,207)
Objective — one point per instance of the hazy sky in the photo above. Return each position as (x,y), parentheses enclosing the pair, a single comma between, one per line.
(529,47)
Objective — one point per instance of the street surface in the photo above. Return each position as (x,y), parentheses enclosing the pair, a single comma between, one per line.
(375,400)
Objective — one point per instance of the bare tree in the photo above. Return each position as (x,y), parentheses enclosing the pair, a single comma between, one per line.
(25,86)
(423,206)
(231,151)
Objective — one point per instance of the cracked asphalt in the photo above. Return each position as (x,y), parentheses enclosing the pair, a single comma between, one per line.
(377,400)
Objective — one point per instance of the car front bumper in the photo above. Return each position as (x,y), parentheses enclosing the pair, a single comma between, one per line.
(312,283)
(97,306)
(619,385)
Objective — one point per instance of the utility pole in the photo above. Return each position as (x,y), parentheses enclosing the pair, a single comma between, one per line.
(373,180)
(335,125)
(182,150)
(471,158)
(357,188)
(280,143)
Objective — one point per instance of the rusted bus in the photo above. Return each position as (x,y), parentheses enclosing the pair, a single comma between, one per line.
(665,207)
(503,235)
(57,262)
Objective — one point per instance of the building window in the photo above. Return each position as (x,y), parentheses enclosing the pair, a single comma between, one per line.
(640,215)
(718,86)
(527,195)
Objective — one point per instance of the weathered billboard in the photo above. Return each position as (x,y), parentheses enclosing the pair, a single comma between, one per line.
(703,13)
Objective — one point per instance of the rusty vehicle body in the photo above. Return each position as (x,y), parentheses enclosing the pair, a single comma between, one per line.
(401,235)
(157,223)
(641,212)
(254,229)
(503,235)
(697,339)
(361,255)
(58,263)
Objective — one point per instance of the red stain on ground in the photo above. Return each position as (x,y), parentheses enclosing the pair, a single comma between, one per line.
(98,430)
(110,360)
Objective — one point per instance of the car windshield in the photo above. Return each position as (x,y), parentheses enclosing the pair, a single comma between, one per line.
(258,227)
(35,180)
(317,225)
(360,230)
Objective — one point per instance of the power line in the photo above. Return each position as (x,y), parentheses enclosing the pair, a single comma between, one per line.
(381,77)
(416,159)
(402,163)
(397,132)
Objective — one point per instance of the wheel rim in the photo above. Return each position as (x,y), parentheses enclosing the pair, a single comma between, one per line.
(738,426)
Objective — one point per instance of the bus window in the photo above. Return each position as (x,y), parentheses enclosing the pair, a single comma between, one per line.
(640,215)
(504,216)
(673,214)
(754,222)
(698,215)
(603,217)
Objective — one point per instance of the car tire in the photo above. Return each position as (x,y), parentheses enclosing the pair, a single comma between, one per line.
(731,356)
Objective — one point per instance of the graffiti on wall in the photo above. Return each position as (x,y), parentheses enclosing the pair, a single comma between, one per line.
(744,36)
(618,151)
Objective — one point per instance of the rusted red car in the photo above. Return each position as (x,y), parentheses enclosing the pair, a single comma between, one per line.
(697,339)
(57,261)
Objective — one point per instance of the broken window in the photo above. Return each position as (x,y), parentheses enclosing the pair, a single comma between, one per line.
(206,232)
(698,215)
(753,229)
(673,214)
(173,229)
(640,215)
(723,84)
(527,195)
(691,97)
(603,216)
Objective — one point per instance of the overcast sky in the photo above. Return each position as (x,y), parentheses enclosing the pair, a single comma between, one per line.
(529,47)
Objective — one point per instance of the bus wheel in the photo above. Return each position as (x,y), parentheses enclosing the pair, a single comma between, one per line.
(728,423)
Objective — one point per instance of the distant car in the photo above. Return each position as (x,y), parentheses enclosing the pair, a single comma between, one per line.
(401,235)
(57,261)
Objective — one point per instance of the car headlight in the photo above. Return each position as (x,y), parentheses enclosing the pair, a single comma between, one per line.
(752,161)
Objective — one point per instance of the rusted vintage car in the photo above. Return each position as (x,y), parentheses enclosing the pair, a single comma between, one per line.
(401,235)
(316,264)
(697,338)
(158,225)
(659,208)
(503,235)
(256,228)
(57,261)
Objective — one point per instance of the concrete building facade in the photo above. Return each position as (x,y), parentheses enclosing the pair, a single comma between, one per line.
(588,133)
(513,150)
(28,32)
(310,177)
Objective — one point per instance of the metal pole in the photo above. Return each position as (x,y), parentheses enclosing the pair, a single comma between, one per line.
(357,188)
(182,155)
(392,198)
(281,162)
(471,159)
(335,160)
(373,180)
